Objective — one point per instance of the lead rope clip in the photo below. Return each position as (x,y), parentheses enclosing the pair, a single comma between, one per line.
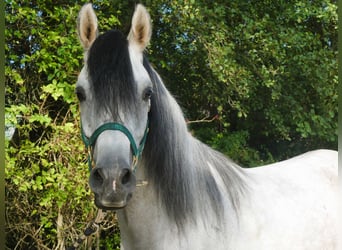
(91,229)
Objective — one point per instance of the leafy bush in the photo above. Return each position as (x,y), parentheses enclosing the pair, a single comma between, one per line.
(48,201)
(236,146)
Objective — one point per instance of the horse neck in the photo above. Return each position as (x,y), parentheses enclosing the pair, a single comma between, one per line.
(184,173)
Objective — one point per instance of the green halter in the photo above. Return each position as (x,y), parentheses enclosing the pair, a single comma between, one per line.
(136,151)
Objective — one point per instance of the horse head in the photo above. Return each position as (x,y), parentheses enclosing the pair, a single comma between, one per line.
(114,91)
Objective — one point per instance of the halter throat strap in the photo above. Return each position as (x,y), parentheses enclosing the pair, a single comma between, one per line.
(90,142)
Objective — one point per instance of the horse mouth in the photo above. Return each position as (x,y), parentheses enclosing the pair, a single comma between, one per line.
(111,205)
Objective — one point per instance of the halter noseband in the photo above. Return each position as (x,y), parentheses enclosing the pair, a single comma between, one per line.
(136,151)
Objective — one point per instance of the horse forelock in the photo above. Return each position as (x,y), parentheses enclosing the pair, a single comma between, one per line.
(177,164)
(110,73)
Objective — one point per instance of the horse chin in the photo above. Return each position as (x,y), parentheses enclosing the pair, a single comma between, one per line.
(111,205)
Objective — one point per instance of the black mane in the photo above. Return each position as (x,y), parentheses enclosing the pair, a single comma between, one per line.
(177,164)
(164,155)
(111,74)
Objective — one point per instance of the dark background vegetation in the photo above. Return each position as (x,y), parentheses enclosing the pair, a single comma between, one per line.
(257,80)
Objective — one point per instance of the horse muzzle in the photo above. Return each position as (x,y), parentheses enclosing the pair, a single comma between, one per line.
(113,187)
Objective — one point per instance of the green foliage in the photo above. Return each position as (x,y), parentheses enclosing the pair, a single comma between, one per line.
(266,68)
(112,237)
(234,145)
(48,200)
(267,71)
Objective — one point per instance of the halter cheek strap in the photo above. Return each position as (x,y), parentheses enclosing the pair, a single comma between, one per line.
(89,142)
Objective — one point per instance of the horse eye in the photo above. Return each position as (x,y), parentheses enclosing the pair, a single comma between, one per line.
(147,93)
(80,94)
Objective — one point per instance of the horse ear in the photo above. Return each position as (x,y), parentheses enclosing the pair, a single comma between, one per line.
(87,26)
(141,29)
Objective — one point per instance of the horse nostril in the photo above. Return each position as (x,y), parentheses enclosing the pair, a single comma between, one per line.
(125,176)
(97,177)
